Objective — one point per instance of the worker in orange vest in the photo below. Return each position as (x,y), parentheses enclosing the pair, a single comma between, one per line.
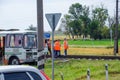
(65,44)
(57,46)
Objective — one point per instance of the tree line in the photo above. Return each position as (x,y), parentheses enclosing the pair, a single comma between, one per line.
(81,21)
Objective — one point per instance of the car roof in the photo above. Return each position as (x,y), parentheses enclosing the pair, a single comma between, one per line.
(18,68)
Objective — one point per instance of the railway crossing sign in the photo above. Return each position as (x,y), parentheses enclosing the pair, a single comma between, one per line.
(53,19)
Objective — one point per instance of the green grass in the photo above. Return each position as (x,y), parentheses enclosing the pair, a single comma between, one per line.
(90,42)
(76,69)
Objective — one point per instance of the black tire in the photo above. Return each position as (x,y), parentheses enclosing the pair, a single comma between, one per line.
(14,61)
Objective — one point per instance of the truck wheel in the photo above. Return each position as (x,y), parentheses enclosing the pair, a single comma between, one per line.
(14,61)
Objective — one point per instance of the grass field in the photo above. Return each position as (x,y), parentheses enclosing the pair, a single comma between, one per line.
(76,69)
(91,43)
(88,42)
(88,47)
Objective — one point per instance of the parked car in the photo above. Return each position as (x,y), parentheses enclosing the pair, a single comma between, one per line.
(21,72)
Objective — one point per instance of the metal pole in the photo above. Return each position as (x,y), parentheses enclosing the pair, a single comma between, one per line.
(106,68)
(52,55)
(53,47)
(111,35)
(116,31)
(40,41)
(88,74)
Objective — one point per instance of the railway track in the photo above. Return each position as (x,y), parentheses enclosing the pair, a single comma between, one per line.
(89,57)
(92,57)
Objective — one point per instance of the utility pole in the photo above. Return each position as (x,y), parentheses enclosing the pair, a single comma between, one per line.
(40,41)
(116,31)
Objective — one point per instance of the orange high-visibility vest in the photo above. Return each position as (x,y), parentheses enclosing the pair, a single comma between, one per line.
(57,45)
(65,44)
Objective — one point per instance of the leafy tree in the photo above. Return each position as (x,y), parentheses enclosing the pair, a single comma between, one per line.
(75,11)
(111,22)
(105,32)
(75,24)
(31,27)
(75,27)
(78,22)
(93,29)
(86,21)
(68,30)
(99,15)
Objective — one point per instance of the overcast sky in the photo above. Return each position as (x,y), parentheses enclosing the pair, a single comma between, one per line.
(20,14)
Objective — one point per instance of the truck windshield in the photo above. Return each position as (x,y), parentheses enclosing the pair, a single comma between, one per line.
(30,41)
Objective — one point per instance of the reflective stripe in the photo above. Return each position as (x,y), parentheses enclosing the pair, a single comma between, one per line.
(40,60)
(41,67)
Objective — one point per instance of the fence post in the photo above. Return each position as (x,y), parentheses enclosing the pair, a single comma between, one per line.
(61,74)
(106,68)
(88,74)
